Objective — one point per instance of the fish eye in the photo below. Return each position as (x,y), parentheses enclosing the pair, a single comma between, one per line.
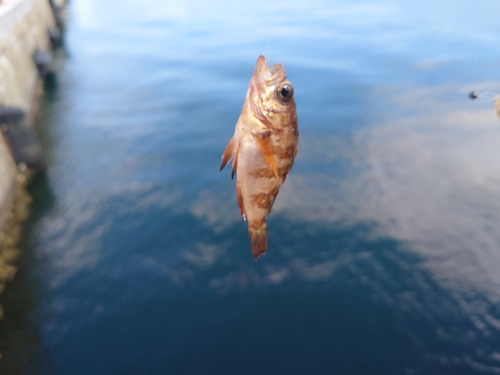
(284,92)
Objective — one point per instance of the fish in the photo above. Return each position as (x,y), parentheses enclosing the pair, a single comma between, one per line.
(263,147)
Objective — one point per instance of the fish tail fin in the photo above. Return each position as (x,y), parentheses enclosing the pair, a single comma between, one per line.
(258,237)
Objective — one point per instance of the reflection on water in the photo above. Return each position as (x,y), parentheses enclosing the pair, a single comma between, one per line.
(383,243)
(428,180)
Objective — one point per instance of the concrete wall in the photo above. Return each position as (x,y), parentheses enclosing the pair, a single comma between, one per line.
(8,173)
(23,29)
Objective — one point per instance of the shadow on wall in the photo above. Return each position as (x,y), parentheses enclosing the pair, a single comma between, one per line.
(19,332)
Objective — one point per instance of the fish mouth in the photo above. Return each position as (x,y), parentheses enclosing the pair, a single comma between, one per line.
(268,75)
(277,73)
(263,77)
(261,69)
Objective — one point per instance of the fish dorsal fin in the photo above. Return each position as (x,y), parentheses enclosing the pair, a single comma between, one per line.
(235,158)
(227,154)
(231,151)
(265,144)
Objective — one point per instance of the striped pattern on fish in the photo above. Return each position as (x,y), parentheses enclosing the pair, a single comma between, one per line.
(263,147)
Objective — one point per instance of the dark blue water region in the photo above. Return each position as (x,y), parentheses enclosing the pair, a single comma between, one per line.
(384,247)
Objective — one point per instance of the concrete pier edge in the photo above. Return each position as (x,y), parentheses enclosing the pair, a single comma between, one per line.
(26,27)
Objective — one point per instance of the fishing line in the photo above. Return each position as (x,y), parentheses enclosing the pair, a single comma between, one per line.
(268,33)
(268,44)
(487,96)
(482,96)
(474,69)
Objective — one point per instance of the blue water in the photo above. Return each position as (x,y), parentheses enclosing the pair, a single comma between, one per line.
(384,242)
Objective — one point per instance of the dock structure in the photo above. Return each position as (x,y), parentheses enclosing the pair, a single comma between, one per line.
(28,30)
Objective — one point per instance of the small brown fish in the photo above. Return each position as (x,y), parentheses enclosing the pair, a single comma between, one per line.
(263,147)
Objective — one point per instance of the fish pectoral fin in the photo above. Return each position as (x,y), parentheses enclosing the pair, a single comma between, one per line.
(227,154)
(266,147)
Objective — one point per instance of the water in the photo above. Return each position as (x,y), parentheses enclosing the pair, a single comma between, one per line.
(384,242)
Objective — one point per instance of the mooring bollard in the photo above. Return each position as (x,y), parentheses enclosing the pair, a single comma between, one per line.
(21,137)
(43,62)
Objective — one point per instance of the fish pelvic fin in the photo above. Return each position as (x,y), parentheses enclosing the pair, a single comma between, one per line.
(227,154)
(257,230)
(266,147)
